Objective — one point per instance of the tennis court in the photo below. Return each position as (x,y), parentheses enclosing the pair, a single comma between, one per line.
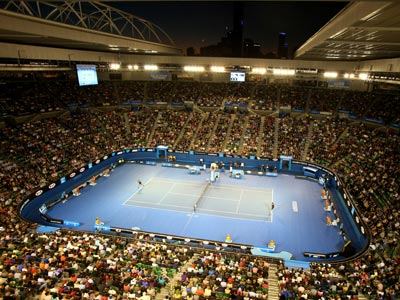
(240,207)
(205,198)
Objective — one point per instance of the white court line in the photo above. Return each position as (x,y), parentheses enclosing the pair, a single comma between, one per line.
(188,221)
(218,211)
(228,187)
(161,205)
(165,195)
(137,190)
(177,181)
(211,197)
(164,208)
(155,179)
(215,187)
(190,183)
(240,199)
(266,191)
(182,194)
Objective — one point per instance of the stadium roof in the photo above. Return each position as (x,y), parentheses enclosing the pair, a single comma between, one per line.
(363,30)
(83,25)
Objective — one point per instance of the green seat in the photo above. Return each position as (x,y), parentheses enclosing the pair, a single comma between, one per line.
(222,295)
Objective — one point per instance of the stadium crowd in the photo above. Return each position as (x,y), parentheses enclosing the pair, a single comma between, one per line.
(224,275)
(71,265)
(24,97)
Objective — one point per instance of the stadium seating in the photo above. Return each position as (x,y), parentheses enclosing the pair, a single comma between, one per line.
(71,265)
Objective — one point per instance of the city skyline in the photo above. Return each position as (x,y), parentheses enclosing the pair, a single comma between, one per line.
(201,24)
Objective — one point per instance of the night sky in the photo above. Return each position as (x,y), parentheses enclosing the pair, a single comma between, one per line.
(200,23)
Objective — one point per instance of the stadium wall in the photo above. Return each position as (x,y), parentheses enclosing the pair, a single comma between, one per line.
(29,52)
(359,85)
(381,65)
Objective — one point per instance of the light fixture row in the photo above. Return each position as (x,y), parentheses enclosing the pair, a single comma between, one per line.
(255,70)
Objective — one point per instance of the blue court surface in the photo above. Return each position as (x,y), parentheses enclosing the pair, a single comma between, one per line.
(238,207)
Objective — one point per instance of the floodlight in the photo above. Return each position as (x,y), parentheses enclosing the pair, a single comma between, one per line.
(193,68)
(259,70)
(330,74)
(150,67)
(115,66)
(217,69)
(285,72)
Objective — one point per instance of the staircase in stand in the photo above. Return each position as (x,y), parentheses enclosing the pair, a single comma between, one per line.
(341,136)
(178,139)
(213,132)
(273,283)
(308,140)
(153,129)
(276,138)
(260,136)
(127,124)
(246,123)
(167,290)
(194,138)
(228,132)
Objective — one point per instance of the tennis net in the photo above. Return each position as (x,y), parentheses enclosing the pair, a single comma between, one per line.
(201,197)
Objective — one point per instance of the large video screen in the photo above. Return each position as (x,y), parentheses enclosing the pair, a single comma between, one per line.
(238,76)
(87,75)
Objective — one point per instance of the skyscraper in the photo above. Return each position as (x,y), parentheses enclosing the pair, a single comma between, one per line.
(237,32)
(282,45)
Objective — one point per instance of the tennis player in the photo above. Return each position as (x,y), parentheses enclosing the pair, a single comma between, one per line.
(140,185)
